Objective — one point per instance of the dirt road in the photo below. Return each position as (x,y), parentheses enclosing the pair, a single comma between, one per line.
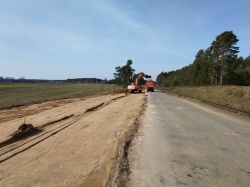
(77,142)
(185,143)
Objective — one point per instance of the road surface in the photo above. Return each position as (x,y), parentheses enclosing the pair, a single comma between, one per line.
(182,143)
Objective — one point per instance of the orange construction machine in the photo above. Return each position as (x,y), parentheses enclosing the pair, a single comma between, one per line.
(150,85)
(136,87)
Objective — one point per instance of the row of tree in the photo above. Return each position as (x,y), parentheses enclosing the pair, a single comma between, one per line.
(217,65)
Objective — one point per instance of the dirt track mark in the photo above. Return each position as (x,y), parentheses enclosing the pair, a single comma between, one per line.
(27,145)
(30,143)
(56,121)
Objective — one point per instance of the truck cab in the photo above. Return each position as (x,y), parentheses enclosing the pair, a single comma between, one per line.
(150,85)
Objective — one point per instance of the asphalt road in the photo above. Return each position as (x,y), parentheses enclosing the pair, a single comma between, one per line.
(183,143)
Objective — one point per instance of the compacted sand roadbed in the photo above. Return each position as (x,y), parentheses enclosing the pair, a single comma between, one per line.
(77,142)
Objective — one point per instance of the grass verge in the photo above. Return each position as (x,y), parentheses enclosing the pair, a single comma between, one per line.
(237,97)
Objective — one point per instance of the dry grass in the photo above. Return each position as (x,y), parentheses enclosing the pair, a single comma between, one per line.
(233,96)
(15,94)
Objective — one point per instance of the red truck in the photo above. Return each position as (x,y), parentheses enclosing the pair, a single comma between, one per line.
(150,85)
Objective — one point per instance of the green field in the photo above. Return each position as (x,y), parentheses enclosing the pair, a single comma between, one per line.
(15,94)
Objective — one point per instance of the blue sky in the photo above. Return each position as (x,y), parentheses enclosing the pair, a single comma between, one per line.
(60,39)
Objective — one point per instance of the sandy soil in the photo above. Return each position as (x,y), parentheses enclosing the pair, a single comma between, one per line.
(79,142)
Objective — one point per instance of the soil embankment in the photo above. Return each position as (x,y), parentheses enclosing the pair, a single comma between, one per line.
(79,143)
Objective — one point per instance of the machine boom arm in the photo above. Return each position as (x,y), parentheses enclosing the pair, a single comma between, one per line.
(141,75)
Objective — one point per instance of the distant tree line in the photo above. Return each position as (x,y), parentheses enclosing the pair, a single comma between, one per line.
(217,65)
(76,80)
(88,80)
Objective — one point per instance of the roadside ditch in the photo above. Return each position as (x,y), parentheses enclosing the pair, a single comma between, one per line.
(120,169)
